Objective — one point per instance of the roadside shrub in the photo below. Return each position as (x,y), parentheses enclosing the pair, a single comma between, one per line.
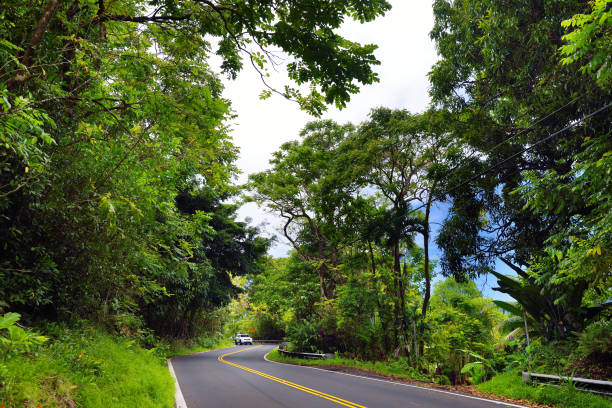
(402,366)
(268,327)
(129,324)
(596,338)
(475,371)
(442,380)
(303,336)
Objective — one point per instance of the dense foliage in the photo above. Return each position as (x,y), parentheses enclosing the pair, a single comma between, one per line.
(117,202)
(515,151)
(116,162)
(535,129)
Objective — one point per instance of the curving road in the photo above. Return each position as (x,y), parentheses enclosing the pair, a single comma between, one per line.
(240,377)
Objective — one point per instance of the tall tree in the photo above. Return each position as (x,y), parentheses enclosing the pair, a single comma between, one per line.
(519,113)
(306,188)
(110,109)
(396,154)
(219,249)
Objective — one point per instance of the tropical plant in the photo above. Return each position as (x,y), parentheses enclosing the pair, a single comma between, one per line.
(589,41)
(517,324)
(14,340)
(555,310)
(596,338)
(479,369)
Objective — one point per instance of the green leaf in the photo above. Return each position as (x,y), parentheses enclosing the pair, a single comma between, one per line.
(8,320)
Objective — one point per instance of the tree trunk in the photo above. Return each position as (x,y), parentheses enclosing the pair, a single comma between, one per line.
(35,39)
(397,293)
(403,306)
(321,283)
(427,273)
(372,258)
(526,327)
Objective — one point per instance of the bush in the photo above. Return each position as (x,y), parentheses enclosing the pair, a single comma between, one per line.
(596,338)
(14,340)
(303,336)
(82,366)
(442,380)
(176,347)
(475,370)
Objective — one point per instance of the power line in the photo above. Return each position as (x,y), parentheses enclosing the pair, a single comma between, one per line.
(539,142)
(486,152)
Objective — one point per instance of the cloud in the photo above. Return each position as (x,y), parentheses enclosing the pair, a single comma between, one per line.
(406,54)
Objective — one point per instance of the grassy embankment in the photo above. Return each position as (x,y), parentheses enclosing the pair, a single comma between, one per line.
(508,384)
(396,368)
(196,346)
(89,368)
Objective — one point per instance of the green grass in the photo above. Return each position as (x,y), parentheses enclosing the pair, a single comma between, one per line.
(398,368)
(509,384)
(88,368)
(179,348)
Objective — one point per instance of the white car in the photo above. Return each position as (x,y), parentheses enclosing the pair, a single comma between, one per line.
(243,339)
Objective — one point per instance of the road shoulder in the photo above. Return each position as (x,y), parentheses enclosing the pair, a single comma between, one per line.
(178,394)
(464,391)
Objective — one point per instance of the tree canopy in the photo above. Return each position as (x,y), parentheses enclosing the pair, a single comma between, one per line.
(116,158)
(520,114)
(118,201)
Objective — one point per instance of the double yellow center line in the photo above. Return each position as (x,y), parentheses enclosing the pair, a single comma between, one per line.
(320,394)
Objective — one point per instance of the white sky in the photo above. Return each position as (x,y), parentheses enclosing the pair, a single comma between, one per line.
(406,54)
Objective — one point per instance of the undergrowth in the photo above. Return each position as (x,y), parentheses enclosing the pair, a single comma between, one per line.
(398,368)
(86,367)
(509,384)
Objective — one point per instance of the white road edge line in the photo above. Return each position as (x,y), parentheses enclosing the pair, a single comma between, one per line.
(506,404)
(178,395)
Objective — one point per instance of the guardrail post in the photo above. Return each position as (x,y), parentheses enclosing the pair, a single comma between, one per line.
(583,384)
(526,377)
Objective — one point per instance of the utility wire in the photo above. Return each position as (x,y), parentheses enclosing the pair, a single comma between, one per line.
(539,142)
(471,159)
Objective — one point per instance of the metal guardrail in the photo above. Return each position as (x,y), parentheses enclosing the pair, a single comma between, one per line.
(283,345)
(583,384)
(313,356)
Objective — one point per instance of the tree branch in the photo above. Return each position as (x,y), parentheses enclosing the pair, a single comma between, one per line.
(293,243)
(145,19)
(35,39)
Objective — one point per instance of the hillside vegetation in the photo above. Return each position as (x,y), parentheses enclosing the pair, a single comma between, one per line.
(121,244)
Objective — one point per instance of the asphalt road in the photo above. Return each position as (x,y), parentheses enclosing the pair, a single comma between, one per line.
(240,377)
